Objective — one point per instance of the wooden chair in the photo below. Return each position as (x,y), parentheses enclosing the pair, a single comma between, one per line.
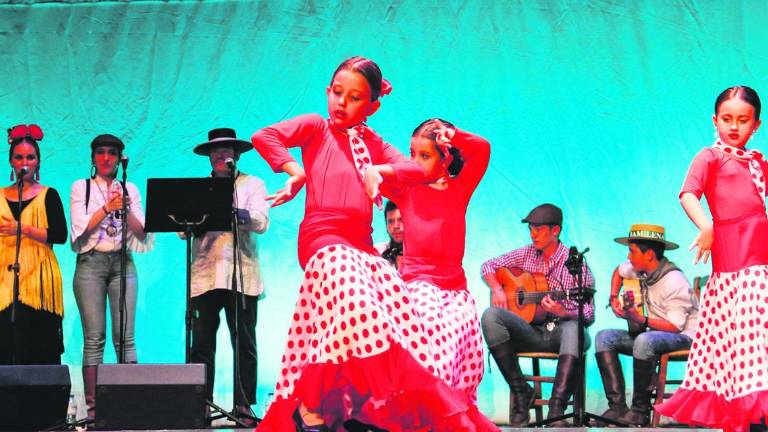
(537,379)
(674,356)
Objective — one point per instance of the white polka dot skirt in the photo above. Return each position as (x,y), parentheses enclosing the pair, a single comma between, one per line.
(726,379)
(358,349)
(450,319)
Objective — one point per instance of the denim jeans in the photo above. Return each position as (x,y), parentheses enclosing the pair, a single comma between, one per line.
(97,276)
(502,326)
(646,346)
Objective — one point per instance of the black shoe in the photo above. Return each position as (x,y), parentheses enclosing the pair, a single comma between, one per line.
(353,425)
(303,427)
(523,402)
(245,416)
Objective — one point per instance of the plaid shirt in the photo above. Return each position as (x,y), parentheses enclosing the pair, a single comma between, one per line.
(531,260)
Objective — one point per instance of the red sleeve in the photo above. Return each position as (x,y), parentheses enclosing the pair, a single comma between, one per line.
(476,152)
(764,168)
(407,172)
(698,173)
(272,142)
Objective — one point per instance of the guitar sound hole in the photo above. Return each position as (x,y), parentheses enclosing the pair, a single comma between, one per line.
(521,297)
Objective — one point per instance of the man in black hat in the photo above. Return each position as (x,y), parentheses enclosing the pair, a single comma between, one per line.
(212,267)
(669,322)
(555,326)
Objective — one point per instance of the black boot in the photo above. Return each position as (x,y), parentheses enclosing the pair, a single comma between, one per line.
(565,379)
(613,383)
(89,389)
(520,393)
(640,414)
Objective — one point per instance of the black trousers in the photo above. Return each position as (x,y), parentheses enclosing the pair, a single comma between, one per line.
(35,339)
(206,309)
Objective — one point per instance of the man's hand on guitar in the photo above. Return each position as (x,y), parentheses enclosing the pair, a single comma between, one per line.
(553,307)
(618,310)
(632,315)
(499,299)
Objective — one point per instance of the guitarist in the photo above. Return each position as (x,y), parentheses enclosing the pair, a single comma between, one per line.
(507,333)
(671,308)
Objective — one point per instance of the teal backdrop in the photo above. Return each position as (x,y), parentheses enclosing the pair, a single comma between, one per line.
(596,106)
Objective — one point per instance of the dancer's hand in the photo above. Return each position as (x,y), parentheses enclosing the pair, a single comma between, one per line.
(372,179)
(703,244)
(443,137)
(292,186)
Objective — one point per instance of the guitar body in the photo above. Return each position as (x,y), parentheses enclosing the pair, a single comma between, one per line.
(524,292)
(631,296)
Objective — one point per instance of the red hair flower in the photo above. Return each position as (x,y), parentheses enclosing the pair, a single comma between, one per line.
(386,87)
(21,131)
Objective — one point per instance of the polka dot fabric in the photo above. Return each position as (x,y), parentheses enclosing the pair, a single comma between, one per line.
(753,158)
(450,320)
(726,381)
(357,349)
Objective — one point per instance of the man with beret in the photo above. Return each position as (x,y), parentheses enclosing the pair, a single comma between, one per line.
(669,323)
(555,330)
(212,267)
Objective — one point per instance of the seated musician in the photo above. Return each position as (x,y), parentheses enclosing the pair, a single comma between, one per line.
(392,250)
(555,329)
(669,325)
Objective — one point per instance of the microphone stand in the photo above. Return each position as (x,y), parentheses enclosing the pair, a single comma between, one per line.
(15,267)
(580,416)
(238,301)
(123,263)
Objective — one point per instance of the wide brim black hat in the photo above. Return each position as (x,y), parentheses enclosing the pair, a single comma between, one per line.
(222,137)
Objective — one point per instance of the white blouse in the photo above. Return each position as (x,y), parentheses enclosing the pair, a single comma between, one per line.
(107,236)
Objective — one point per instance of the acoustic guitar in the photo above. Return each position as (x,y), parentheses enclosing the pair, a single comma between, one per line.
(631,296)
(525,291)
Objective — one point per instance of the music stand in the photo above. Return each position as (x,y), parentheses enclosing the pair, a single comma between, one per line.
(191,206)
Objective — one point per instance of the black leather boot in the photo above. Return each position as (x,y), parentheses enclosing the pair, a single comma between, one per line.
(565,379)
(89,388)
(640,414)
(613,383)
(520,393)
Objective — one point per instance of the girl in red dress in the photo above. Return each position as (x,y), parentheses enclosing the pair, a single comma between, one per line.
(726,382)
(434,216)
(356,345)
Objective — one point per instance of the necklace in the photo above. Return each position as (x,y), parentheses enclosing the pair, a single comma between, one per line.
(112,223)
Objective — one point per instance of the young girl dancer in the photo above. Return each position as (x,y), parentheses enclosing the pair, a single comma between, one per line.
(434,215)
(726,383)
(356,344)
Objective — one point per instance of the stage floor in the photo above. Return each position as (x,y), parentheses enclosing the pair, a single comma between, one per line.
(503,429)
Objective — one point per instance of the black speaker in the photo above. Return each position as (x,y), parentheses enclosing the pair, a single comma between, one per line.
(146,396)
(33,397)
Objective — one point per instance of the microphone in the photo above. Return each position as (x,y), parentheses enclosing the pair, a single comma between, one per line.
(124,162)
(23,171)
(230,163)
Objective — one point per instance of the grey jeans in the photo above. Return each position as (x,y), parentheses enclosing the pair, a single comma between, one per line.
(97,276)
(502,326)
(646,346)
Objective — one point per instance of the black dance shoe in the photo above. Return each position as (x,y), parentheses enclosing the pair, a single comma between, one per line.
(303,427)
(353,425)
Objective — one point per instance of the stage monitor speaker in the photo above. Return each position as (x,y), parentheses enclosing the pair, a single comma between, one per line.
(33,397)
(146,396)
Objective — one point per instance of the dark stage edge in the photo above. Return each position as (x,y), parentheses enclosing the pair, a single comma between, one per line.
(502,427)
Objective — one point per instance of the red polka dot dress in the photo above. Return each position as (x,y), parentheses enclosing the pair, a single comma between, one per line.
(435,230)
(356,346)
(726,382)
